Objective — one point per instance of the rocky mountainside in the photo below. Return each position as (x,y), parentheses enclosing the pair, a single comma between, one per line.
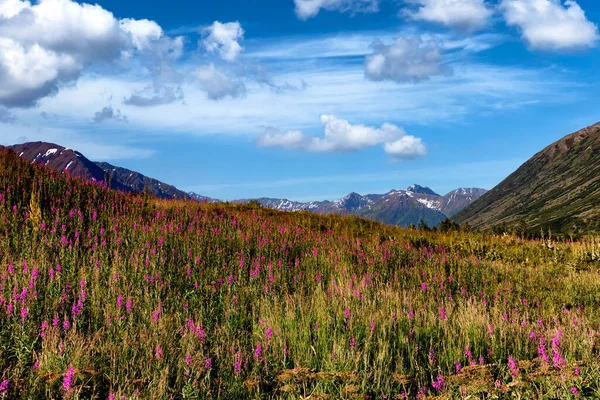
(557,189)
(73,162)
(397,207)
(63,159)
(137,182)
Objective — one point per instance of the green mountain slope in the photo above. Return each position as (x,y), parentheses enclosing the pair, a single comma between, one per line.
(558,188)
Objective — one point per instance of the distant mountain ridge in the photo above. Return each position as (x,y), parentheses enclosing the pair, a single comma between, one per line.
(397,207)
(557,189)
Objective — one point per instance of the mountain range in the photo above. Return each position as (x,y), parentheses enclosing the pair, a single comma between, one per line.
(64,159)
(557,189)
(397,207)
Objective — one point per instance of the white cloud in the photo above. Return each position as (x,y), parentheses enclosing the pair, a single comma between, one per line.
(408,59)
(49,43)
(550,25)
(341,136)
(108,114)
(406,148)
(30,73)
(292,140)
(224,38)
(10,8)
(460,14)
(155,95)
(143,32)
(306,9)
(217,84)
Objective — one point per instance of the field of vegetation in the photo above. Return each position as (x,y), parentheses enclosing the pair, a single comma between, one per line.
(105,295)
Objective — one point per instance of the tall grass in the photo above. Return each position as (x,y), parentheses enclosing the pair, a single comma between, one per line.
(108,295)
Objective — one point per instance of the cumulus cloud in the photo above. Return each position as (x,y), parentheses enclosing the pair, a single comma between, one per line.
(341,136)
(408,59)
(152,96)
(306,9)
(460,14)
(550,24)
(109,114)
(218,85)
(406,148)
(143,32)
(49,43)
(224,39)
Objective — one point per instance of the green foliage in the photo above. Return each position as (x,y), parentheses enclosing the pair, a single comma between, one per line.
(423,227)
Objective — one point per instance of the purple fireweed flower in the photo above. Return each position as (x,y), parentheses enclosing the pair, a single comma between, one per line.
(68,380)
(4,388)
(557,358)
(372,326)
(352,342)
(269,334)
(43,328)
(577,371)
(574,391)
(158,353)
(458,366)
(208,363)
(188,359)
(156,315)
(129,306)
(542,353)
(512,365)
(347,313)
(468,353)
(439,384)
(258,352)
(237,366)
(443,315)
(532,335)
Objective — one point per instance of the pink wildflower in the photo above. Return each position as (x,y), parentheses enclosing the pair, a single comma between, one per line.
(68,380)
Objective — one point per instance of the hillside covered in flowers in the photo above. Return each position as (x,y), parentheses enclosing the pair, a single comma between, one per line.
(107,295)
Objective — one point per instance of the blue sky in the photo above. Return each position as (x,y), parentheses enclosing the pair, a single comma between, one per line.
(302,99)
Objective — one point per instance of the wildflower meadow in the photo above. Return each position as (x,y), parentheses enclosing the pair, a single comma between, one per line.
(106,295)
